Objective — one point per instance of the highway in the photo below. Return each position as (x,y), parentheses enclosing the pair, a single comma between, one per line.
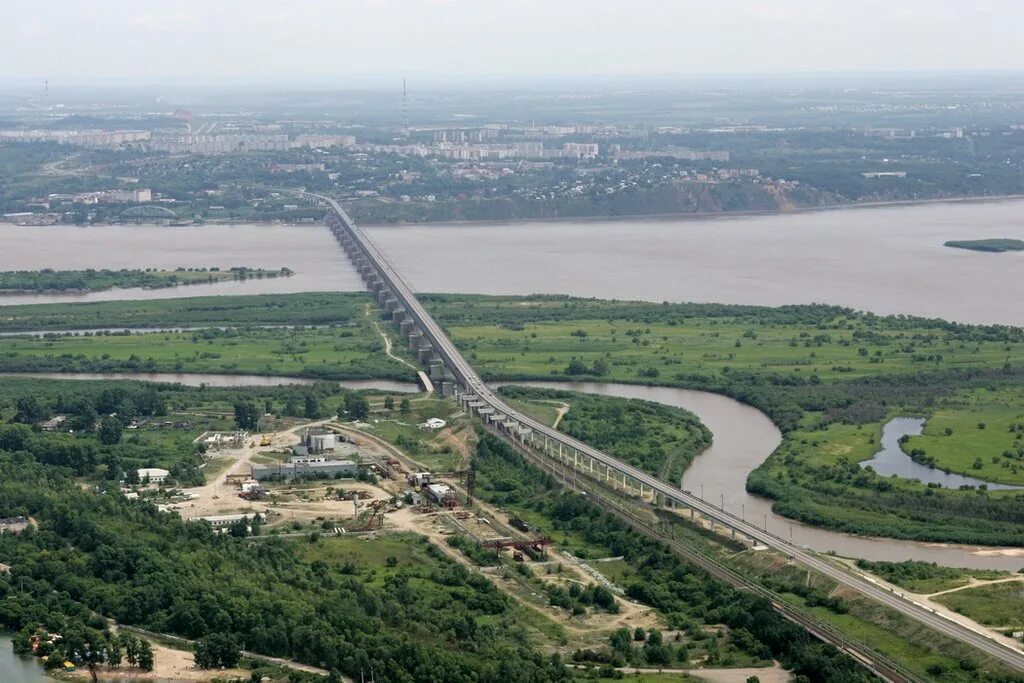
(470,382)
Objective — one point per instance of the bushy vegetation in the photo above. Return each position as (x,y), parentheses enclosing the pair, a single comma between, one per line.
(100,554)
(925,577)
(660,439)
(113,428)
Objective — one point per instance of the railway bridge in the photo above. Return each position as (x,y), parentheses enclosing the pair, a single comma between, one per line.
(452,375)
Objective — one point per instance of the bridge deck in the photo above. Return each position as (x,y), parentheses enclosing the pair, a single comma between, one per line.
(469,382)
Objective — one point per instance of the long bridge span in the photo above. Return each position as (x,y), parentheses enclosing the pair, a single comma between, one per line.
(452,375)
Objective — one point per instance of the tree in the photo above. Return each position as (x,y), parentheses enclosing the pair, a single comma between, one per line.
(113,655)
(29,410)
(292,406)
(405,407)
(131,648)
(110,431)
(312,407)
(216,650)
(577,367)
(389,403)
(145,656)
(246,415)
(356,406)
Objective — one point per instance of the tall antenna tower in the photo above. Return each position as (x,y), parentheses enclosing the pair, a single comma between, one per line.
(405,110)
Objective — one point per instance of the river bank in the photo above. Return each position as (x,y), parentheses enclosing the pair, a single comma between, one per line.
(703,215)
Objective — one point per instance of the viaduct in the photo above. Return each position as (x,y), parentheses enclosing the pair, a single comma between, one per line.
(452,375)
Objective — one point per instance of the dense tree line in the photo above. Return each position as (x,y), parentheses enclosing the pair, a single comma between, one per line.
(105,555)
(660,439)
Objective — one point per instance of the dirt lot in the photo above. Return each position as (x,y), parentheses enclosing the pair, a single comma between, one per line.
(301,502)
(168,664)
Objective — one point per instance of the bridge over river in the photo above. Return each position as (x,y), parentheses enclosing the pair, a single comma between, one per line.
(452,375)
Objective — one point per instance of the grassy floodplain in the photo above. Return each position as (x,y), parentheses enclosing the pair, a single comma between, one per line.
(239,335)
(828,377)
(997,604)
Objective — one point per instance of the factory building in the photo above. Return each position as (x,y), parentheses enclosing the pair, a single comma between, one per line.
(303,466)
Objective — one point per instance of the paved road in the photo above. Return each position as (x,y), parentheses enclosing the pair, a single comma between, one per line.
(472,383)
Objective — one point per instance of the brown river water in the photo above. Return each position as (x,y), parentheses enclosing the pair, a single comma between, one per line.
(885,259)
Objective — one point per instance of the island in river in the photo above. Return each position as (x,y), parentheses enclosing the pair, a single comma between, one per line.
(92,280)
(998,245)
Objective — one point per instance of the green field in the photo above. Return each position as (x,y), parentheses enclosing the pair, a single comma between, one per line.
(319,308)
(831,350)
(925,577)
(354,351)
(1000,604)
(978,432)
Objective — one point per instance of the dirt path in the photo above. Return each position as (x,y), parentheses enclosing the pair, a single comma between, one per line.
(925,601)
(387,343)
(975,583)
(562,410)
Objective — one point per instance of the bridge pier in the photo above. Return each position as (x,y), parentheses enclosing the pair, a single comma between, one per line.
(426,353)
(406,327)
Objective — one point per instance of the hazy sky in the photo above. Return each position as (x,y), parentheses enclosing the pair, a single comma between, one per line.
(265,39)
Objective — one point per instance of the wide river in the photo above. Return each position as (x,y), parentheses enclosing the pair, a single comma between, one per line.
(885,259)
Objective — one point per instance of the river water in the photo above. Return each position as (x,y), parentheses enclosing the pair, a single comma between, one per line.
(215,380)
(883,259)
(890,460)
(886,260)
(15,669)
(743,438)
(309,250)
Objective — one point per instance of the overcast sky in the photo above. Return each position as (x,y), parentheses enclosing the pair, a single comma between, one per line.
(274,39)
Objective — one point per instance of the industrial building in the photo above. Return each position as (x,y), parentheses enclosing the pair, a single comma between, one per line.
(154,475)
(303,466)
(439,494)
(318,441)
